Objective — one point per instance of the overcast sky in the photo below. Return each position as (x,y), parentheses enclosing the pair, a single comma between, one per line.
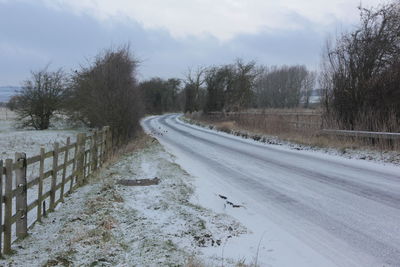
(168,36)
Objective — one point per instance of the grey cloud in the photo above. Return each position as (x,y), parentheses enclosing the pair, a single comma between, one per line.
(66,40)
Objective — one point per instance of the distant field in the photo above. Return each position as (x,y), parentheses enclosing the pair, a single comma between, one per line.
(6,114)
(29,141)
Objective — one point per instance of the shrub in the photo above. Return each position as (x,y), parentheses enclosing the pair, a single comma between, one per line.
(106,93)
(39,98)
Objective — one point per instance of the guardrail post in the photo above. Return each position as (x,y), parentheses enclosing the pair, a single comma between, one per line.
(8,206)
(21,196)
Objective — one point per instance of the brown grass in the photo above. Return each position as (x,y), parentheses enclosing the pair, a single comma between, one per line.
(293,125)
(225,126)
(141,141)
(194,262)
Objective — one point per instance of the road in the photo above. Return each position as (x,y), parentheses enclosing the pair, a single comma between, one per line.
(347,211)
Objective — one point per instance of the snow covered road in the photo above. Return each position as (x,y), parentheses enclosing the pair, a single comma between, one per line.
(306,208)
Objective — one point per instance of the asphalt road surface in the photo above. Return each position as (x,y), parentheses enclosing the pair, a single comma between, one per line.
(346,210)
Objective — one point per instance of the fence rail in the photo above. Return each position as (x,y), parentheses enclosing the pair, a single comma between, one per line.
(25,199)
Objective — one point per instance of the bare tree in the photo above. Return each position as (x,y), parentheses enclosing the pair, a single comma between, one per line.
(284,87)
(39,98)
(307,87)
(106,93)
(160,95)
(239,91)
(216,82)
(357,66)
(193,89)
(229,87)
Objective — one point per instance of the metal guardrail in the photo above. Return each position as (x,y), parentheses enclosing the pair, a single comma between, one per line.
(362,134)
(298,119)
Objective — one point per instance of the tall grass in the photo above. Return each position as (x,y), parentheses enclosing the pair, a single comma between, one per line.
(304,127)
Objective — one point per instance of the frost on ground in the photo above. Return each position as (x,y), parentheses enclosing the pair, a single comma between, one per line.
(14,139)
(107,224)
(30,142)
(391,157)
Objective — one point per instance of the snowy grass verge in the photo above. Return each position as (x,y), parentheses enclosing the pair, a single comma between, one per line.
(106,224)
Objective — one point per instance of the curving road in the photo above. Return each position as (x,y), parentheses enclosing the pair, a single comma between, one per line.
(347,211)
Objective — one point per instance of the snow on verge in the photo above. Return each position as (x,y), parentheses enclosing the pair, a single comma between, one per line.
(106,224)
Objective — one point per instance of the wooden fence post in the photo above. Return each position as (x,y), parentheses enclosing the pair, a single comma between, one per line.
(40,185)
(8,206)
(64,173)
(103,152)
(94,151)
(86,164)
(21,196)
(73,177)
(109,143)
(54,177)
(80,158)
(100,139)
(105,144)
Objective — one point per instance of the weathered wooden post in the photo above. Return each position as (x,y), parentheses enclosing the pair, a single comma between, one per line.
(73,177)
(64,173)
(40,185)
(106,152)
(8,206)
(109,141)
(104,143)
(80,158)
(54,177)
(85,169)
(21,196)
(100,147)
(94,151)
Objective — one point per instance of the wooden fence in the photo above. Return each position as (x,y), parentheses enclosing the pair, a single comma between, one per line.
(25,199)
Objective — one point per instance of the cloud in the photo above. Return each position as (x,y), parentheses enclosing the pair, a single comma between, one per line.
(167,40)
(223,19)
(14,51)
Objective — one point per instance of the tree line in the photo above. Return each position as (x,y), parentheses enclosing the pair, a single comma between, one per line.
(231,87)
(106,92)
